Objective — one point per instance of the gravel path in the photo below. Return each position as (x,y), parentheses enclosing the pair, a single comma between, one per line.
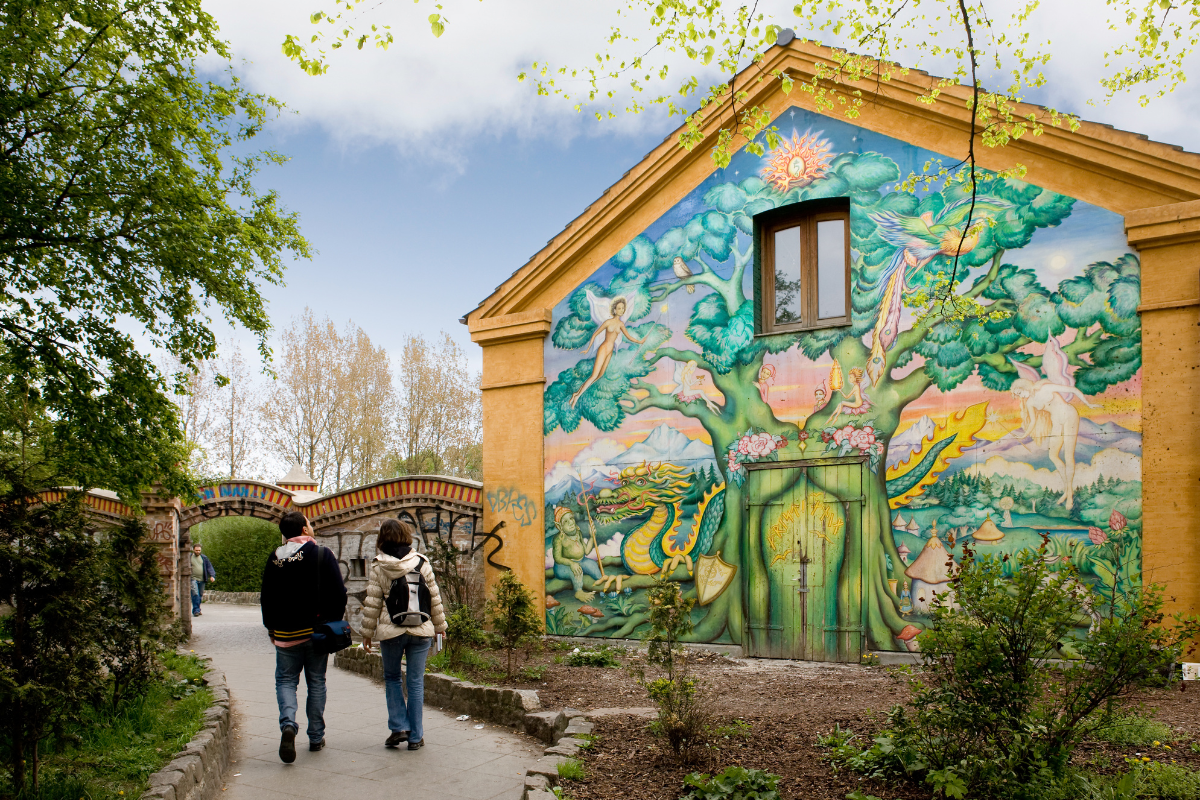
(458,761)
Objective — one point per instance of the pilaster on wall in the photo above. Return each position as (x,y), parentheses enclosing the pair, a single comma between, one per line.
(162,522)
(1168,240)
(513,382)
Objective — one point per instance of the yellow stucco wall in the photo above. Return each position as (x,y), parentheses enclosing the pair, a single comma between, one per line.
(512,453)
(1168,239)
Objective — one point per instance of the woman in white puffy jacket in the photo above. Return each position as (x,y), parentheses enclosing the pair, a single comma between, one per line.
(395,560)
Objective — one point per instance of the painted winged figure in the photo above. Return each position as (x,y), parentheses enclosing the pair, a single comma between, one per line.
(609,318)
(920,240)
(688,386)
(1047,412)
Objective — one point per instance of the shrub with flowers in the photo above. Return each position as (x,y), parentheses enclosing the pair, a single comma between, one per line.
(855,436)
(755,444)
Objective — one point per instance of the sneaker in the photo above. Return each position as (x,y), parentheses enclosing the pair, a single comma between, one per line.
(197,614)
(315,746)
(287,746)
(417,745)
(396,738)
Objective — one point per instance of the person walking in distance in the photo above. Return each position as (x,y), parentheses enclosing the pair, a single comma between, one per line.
(301,588)
(202,573)
(403,611)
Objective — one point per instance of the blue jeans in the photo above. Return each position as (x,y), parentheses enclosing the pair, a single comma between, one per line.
(288,663)
(197,595)
(401,716)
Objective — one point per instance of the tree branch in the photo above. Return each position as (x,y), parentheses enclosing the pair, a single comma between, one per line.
(667,402)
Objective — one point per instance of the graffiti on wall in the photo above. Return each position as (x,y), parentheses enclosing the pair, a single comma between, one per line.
(671,428)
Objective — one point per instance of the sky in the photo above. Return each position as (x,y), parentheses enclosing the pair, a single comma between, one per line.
(426,174)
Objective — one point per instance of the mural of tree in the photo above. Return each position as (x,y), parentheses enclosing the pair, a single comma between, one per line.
(1099,307)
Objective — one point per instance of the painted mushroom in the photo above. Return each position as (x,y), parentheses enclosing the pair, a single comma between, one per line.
(930,574)
(551,602)
(591,612)
(908,637)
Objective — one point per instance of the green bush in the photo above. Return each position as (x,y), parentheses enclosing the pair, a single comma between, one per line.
(989,719)
(735,783)
(238,548)
(601,657)
(464,632)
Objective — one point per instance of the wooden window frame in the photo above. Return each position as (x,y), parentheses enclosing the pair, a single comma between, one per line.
(805,216)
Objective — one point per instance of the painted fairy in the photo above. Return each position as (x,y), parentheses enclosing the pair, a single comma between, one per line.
(1047,413)
(856,401)
(688,386)
(613,329)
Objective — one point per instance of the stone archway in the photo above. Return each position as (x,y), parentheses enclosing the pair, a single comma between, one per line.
(346,522)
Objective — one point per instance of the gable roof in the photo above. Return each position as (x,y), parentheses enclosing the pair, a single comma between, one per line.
(1097,163)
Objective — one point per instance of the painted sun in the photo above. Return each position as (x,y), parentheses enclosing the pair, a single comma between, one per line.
(797,163)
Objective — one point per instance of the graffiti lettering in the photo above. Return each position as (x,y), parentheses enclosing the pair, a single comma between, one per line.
(512,500)
(775,532)
(162,532)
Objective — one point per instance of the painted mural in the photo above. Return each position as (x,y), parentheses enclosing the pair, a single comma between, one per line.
(896,443)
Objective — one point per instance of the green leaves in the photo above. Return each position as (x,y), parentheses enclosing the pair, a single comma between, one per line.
(124,201)
(436,24)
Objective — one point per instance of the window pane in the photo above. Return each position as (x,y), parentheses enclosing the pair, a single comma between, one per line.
(831,269)
(787,276)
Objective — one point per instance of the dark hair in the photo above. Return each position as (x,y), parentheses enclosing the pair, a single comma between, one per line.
(395,530)
(292,524)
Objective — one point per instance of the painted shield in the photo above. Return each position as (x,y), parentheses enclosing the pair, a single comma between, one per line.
(713,576)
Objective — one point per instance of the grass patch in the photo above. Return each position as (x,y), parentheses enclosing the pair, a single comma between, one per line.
(1157,781)
(110,754)
(1135,730)
(571,770)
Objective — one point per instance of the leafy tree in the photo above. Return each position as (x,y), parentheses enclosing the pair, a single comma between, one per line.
(124,203)
(1100,306)
(512,615)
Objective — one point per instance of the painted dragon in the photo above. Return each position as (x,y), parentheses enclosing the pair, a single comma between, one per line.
(660,542)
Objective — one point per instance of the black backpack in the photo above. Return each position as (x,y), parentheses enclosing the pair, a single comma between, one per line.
(408,602)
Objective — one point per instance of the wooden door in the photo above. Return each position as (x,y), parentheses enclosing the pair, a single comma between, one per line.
(805,521)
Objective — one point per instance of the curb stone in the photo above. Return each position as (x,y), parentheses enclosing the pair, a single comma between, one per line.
(195,772)
(236,598)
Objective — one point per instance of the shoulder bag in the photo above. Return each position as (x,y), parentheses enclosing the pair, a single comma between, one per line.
(328,637)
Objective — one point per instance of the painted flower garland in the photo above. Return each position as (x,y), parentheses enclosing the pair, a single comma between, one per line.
(756,444)
(858,436)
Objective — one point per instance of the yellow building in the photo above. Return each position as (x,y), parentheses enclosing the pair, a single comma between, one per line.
(711,373)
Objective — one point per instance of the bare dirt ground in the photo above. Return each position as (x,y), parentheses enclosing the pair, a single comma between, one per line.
(787,705)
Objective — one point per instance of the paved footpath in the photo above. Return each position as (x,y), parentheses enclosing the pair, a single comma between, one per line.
(458,762)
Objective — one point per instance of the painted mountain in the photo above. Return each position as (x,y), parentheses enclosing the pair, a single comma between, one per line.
(663,444)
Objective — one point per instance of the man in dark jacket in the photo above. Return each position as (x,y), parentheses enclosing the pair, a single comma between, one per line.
(291,606)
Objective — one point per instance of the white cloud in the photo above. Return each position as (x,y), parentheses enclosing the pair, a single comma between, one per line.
(560,472)
(1110,462)
(612,547)
(425,94)
(431,96)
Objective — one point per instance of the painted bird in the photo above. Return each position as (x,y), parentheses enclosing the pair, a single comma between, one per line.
(682,271)
(920,240)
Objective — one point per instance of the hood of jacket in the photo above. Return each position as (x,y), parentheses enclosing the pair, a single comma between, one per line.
(396,567)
